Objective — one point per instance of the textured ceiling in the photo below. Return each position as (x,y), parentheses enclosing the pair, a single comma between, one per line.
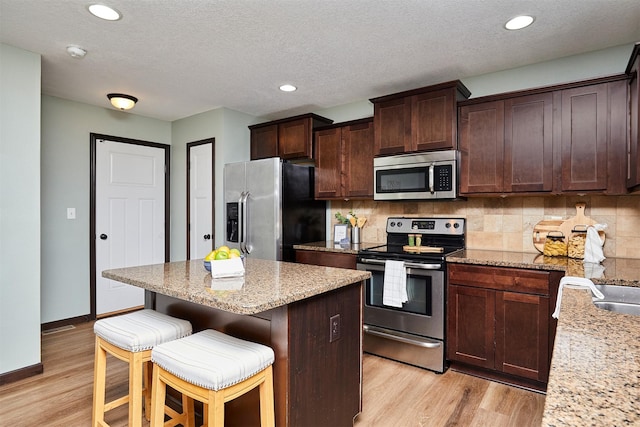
(184,57)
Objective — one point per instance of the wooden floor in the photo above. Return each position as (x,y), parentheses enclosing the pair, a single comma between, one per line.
(395,394)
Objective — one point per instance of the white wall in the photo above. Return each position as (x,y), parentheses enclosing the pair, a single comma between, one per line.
(66,126)
(19,209)
(231,133)
(586,66)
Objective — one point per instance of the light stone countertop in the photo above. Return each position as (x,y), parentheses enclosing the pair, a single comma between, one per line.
(265,285)
(594,378)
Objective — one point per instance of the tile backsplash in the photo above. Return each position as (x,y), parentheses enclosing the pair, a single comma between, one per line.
(507,223)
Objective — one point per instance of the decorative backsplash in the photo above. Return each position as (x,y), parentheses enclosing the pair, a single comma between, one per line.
(506,224)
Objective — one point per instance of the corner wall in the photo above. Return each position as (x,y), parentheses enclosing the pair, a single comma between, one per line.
(19,209)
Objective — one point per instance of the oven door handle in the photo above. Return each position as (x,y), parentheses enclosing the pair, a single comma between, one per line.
(406,264)
(375,331)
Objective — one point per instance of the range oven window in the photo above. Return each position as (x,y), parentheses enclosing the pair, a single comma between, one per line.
(419,293)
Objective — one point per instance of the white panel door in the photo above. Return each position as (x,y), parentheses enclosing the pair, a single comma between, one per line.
(201,236)
(129,218)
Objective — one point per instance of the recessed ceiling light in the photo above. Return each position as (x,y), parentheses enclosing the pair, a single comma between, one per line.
(104,12)
(288,88)
(519,22)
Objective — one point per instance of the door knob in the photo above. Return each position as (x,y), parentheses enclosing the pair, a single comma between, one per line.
(207,236)
(103,236)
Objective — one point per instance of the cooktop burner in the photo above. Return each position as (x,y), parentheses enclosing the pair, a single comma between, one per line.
(420,239)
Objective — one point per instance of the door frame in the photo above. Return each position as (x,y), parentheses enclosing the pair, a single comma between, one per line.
(94,137)
(190,145)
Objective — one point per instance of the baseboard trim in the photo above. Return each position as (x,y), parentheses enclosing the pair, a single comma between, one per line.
(64,322)
(20,374)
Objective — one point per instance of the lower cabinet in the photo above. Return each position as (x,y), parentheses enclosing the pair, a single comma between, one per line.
(326,259)
(499,322)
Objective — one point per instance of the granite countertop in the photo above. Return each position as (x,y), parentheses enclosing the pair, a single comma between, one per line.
(330,246)
(265,285)
(594,378)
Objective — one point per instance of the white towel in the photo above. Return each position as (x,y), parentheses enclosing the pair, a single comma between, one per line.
(576,283)
(227,268)
(394,292)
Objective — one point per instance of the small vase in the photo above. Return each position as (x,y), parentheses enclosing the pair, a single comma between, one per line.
(355,235)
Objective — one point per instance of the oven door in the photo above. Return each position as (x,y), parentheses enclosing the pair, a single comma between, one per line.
(423,313)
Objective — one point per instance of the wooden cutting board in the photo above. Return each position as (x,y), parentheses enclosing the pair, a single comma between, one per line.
(542,228)
(422,249)
(580,219)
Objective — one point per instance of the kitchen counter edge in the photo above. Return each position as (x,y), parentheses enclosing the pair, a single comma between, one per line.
(265,285)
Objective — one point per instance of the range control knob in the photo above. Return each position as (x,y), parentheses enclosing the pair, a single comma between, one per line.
(456,225)
(399,224)
(448,225)
(392,224)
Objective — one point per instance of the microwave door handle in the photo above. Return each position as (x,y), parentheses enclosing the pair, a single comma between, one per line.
(431,180)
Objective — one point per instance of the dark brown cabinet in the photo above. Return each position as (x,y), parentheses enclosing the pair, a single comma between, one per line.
(290,138)
(499,322)
(482,148)
(564,139)
(344,161)
(633,71)
(418,120)
(326,259)
(528,143)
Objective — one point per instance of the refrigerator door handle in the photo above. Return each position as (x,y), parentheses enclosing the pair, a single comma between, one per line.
(241,222)
(244,246)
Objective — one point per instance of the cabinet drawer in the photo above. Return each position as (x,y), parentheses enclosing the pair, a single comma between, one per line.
(326,259)
(499,278)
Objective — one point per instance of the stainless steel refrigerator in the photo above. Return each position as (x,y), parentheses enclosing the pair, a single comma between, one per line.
(270,206)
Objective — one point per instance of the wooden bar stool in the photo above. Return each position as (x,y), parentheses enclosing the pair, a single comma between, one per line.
(130,338)
(213,368)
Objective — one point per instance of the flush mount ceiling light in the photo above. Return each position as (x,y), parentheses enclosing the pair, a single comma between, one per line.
(104,12)
(519,22)
(122,101)
(288,88)
(76,52)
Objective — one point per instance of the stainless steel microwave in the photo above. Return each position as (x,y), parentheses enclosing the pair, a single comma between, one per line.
(416,176)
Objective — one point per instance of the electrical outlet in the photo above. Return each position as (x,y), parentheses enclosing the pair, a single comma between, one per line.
(71,213)
(334,325)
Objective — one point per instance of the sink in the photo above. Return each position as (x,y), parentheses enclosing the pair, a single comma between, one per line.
(621,299)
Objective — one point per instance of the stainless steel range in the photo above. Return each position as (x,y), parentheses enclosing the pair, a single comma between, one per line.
(412,329)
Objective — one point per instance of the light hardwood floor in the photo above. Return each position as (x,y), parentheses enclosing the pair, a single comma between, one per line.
(395,394)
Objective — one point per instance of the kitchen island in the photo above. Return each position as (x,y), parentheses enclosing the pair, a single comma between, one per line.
(311,316)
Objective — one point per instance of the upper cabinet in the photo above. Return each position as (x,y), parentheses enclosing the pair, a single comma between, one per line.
(418,120)
(550,140)
(633,71)
(344,160)
(290,138)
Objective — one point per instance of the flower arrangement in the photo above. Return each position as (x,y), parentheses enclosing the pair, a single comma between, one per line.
(351,218)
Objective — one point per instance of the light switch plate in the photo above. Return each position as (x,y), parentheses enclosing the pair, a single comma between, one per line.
(71,213)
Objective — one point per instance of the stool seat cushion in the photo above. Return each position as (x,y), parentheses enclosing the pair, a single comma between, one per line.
(141,330)
(212,360)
